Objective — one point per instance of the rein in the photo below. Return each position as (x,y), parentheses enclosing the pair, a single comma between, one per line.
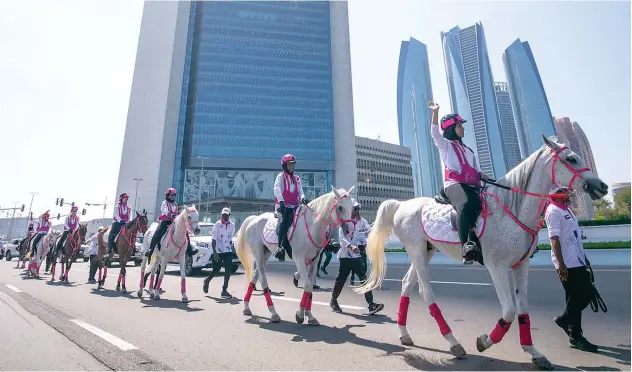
(189,227)
(132,235)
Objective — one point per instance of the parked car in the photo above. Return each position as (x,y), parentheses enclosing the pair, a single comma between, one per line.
(3,248)
(204,257)
(11,249)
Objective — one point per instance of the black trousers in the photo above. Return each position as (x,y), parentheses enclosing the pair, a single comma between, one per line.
(363,257)
(327,255)
(94,265)
(226,261)
(346,266)
(61,241)
(578,291)
(162,229)
(115,229)
(465,200)
(287,215)
(35,242)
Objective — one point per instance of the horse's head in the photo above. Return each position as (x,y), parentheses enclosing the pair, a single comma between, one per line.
(570,170)
(341,214)
(192,218)
(142,222)
(83,231)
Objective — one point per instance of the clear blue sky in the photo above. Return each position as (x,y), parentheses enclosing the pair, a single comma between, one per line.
(66,82)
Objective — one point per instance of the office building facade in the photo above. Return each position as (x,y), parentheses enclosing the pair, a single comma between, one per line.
(532,113)
(511,148)
(222,90)
(414,91)
(472,95)
(384,172)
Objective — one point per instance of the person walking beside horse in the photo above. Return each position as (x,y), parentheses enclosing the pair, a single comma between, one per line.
(223,232)
(360,234)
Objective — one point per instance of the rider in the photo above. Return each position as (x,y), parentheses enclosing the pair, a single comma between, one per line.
(289,192)
(122,213)
(29,235)
(169,211)
(71,223)
(43,225)
(461,175)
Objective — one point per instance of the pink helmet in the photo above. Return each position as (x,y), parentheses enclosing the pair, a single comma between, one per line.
(123,195)
(288,158)
(74,209)
(170,190)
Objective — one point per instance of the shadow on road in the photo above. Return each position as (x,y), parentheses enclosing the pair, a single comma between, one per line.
(112,293)
(323,333)
(621,353)
(373,319)
(164,303)
(232,301)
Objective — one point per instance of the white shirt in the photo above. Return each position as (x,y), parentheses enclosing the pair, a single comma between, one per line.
(279,187)
(223,235)
(345,251)
(124,208)
(67,223)
(360,232)
(94,244)
(563,224)
(448,156)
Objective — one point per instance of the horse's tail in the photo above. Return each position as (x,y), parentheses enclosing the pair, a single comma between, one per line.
(243,249)
(382,228)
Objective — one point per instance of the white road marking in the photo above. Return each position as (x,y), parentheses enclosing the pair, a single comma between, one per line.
(123,345)
(318,303)
(14,289)
(439,282)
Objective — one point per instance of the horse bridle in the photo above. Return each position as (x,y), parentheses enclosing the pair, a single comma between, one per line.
(576,172)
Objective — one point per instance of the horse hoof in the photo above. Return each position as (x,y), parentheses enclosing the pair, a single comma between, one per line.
(296,282)
(100,286)
(406,340)
(185,299)
(140,293)
(543,364)
(299,318)
(247,312)
(61,278)
(275,318)
(458,351)
(118,288)
(124,289)
(481,345)
(156,296)
(313,322)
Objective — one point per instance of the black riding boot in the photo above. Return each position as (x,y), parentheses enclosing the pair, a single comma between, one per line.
(470,249)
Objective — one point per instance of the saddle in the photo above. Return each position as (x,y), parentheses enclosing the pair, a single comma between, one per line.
(270,233)
(442,198)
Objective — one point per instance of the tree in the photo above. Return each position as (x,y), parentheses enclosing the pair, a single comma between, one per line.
(604,209)
(622,202)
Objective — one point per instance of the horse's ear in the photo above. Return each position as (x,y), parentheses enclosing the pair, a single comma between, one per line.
(551,142)
(333,189)
(351,190)
(137,214)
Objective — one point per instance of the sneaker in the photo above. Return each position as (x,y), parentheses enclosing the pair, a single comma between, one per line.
(562,324)
(225,294)
(374,308)
(580,343)
(334,306)
(205,286)
(316,286)
(325,271)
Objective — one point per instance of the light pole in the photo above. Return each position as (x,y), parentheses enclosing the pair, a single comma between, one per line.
(136,194)
(30,206)
(12,220)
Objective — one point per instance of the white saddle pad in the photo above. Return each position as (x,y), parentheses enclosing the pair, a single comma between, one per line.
(435,220)
(269,234)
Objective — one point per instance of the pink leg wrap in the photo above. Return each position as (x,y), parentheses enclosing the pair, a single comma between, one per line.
(444,328)
(118,281)
(105,272)
(402,314)
(266,294)
(524,326)
(183,286)
(52,273)
(158,284)
(123,280)
(151,281)
(63,268)
(500,330)
(142,279)
(306,300)
(251,288)
(100,276)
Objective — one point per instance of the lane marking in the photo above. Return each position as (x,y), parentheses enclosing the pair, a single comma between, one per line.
(351,307)
(440,282)
(121,344)
(14,289)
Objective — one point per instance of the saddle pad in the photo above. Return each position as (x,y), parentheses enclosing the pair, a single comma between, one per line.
(435,220)
(269,234)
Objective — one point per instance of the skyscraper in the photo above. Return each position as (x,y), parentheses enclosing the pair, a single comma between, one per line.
(532,113)
(472,95)
(222,90)
(508,126)
(414,91)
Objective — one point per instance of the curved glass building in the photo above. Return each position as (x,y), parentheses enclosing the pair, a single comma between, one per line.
(532,113)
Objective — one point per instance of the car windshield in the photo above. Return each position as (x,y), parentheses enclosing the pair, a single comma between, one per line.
(206,230)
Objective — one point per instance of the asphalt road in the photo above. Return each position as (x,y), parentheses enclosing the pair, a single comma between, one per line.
(75,327)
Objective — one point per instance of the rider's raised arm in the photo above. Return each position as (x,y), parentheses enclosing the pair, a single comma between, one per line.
(435,132)
(278,187)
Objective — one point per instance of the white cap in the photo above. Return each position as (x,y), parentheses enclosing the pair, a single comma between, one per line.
(226,211)
(355,203)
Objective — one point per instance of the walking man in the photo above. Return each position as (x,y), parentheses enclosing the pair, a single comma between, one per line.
(569,259)
(359,236)
(94,263)
(223,232)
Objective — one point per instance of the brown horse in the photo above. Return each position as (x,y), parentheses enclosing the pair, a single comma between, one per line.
(123,246)
(69,252)
(24,249)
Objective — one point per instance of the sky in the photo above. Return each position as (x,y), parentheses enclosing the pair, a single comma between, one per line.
(66,72)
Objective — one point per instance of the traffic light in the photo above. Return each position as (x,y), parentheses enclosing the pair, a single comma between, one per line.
(83,212)
(22,209)
(61,202)
(58,215)
(57,201)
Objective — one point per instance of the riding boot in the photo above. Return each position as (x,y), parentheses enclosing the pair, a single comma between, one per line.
(470,250)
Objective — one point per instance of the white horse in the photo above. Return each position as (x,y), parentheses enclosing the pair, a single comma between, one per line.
(43,247)
(173,246)
(306,236)
(508,236)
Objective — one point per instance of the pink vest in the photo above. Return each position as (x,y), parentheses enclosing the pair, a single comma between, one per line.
(173,209)
(72,222)
(469,174)
(43,227)
(123,213)
(291,198)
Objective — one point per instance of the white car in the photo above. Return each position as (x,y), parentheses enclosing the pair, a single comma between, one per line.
(204,257)
(11,249)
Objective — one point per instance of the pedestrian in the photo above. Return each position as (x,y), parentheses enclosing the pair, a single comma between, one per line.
(93,243)
(350,260)
(328,252)
(569,259)
(360,233)
(223,232)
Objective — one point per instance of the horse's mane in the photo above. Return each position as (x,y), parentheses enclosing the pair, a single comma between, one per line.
(519,178)
(323,204)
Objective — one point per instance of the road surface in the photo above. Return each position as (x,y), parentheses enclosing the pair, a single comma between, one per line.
(76,327)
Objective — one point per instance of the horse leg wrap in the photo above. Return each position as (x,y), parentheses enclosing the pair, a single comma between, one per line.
(266,294)
(251,287)
(524,326)
(123,280)
(183,286)
(100,276)
(142,279)
(151,281)
(118,281)
(105,272)
(305,299)
(444,328)
(158,284)
(53,271)
(402,314)
(502,327)
(63,268)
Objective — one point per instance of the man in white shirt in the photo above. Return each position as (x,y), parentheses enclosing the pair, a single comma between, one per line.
(93,242)
(569,259)
(360,233)
(223,232)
